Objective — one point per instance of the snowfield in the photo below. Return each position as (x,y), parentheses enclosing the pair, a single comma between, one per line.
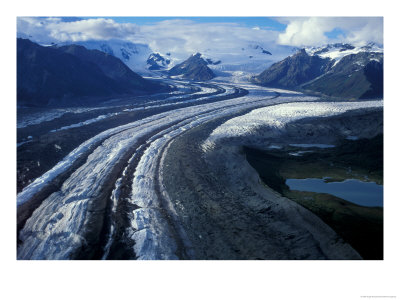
(337,53)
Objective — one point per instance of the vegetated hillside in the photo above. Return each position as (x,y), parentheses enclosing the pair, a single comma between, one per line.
(355,76)
(73,75)
(194,68)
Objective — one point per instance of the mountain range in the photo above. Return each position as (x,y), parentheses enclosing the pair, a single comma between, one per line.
(338,70)
(145,60)
(53,76)
(75,74)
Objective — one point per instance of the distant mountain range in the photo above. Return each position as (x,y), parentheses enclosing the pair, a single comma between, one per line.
(338,70)
(145,60)
(73,75)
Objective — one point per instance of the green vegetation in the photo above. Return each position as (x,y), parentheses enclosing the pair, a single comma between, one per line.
(361,227)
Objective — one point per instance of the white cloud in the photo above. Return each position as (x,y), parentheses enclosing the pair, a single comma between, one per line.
(184,37)
(178,36)
(312,31)
(45,30)
(189,36)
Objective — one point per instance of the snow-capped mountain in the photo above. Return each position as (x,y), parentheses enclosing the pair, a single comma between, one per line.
(358,75)
(337,70)
(72,74)
(263,51)
(294,70)
(133,55)
(339,50)
(194,68)
(157,62)
(251,59)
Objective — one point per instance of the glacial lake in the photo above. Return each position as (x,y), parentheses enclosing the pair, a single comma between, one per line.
(356,191)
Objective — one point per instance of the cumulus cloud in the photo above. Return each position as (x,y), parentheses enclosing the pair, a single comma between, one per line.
(312,31)
(189,36)
(183,37)
(46,30)
(179,36)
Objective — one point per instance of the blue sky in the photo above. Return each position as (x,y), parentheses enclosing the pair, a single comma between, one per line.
(196,34)
(336,32)
(262,22)
(276,24)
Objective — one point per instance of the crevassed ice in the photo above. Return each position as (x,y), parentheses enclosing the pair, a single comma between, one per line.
(38,184)
(148,229)
(55,228)
(49,115)
(278,116)
(86,122)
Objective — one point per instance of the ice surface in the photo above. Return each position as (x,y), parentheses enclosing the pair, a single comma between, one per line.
(312,145)
(86,122)
(28,119)
(278,116)
(56,228)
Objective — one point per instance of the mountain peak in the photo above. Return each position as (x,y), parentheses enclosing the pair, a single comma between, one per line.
(337,70)
(194,68)
(157,62)
(302,51)
(294,70)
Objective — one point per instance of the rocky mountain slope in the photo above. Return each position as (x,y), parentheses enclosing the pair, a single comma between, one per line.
(357,76)
(72,75)
(294,70)
(194,68)
(111,66)
(134,55)
(338,70)
(157,62)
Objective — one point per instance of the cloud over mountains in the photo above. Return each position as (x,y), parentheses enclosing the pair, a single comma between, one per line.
(46,30)
(186,36)
(315,30)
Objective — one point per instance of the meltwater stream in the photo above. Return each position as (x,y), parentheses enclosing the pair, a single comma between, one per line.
(356,191)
